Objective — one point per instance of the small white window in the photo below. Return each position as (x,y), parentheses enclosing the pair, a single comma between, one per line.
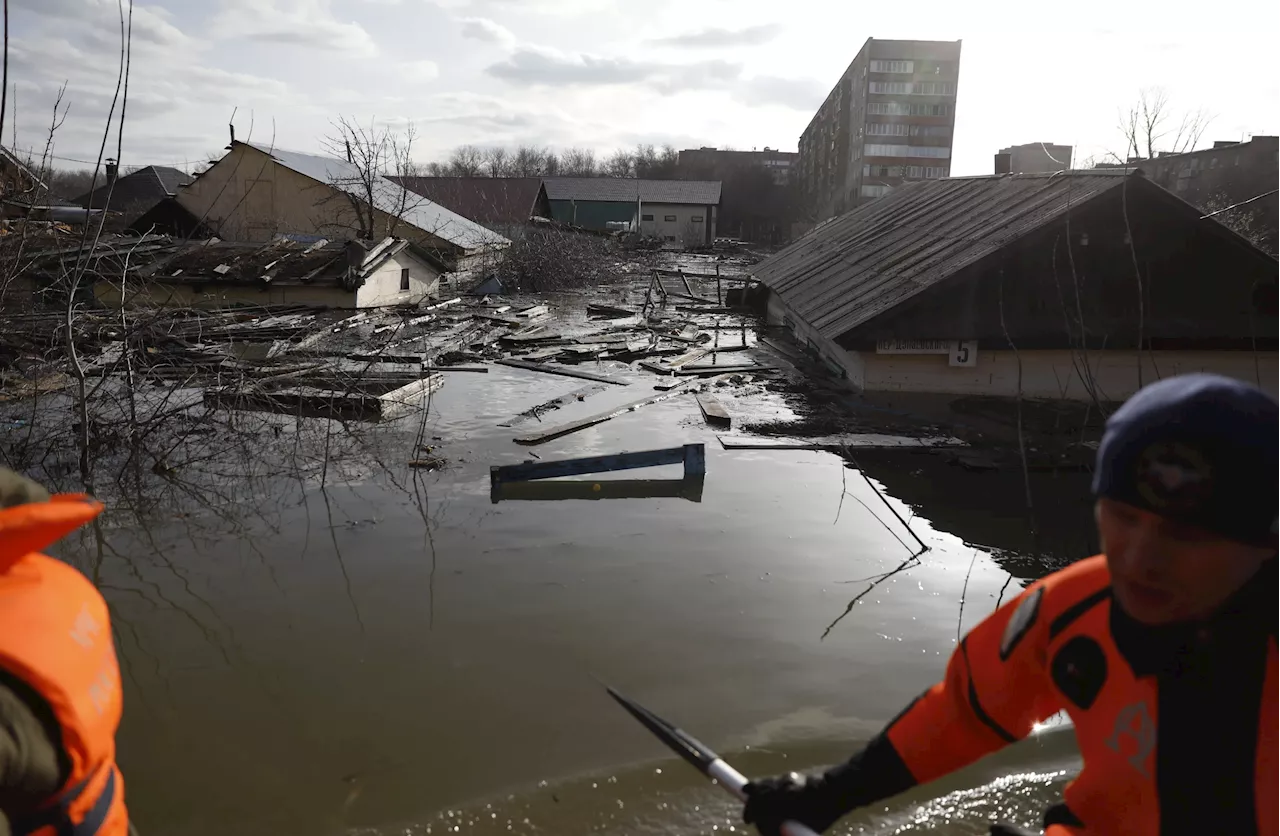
(404,278)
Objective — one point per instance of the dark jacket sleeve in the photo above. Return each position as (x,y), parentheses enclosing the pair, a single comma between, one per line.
(31,765)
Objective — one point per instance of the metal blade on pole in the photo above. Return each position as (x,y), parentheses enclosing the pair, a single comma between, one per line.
(700,755)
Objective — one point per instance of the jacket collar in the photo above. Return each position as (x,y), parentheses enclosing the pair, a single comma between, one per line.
(33,526)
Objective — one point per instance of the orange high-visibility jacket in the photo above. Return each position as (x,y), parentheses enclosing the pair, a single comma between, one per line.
(55,636)
(1186,744)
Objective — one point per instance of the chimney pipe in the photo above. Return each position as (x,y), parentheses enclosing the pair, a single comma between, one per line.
(112,170)
(1004,163)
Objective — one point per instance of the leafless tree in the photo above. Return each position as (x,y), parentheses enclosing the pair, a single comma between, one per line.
(373,152)
(578,162)
(466,161)
(1150,128)
(495,161)
(529,161)
(620,164)
(551,166)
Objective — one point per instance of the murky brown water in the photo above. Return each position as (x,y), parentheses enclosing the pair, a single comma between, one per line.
(399,655)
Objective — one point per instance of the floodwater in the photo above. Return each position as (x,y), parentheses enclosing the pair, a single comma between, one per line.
(399,654)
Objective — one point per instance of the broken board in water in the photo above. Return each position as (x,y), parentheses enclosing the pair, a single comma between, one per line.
(713,412)
(535,413)
(864,441)
(560,370)
(565,429)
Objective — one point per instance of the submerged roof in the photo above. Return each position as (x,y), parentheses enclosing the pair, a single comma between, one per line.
(143,188)
(278,262)
(388,196)
(859,265)
(626,190)
(485,200)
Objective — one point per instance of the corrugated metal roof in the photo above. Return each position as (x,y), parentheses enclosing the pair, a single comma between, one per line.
(624,190)
(390,197)
(859,265)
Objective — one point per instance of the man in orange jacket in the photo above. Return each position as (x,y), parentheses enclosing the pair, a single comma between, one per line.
(1162,650)
(60,700)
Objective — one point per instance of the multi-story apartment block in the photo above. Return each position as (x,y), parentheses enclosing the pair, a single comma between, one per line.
(890,119)
(713,162)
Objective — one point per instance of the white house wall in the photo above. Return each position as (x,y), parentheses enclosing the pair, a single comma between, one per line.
(383,287)
(1053,374)
(683,228)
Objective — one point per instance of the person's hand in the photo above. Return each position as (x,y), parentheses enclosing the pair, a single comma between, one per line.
(808,800)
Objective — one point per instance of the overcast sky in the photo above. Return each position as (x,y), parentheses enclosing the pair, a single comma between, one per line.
(605,73)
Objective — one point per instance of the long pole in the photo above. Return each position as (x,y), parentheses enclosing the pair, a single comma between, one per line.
(702,757)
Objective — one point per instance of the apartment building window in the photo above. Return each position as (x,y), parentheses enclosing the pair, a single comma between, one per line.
(887,129)
(906,151)
(882,170)
(669,219)
(875,190)
(930,110)
(913,88)
(892,66)
(889,108)
(926,172)
(930,130)
(890,87)
(404,278)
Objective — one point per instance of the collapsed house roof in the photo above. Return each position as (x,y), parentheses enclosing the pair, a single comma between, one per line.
(485,200)
(163,259)
(141,189)
(388,196)
(855,267)
(628,190)
(281,262)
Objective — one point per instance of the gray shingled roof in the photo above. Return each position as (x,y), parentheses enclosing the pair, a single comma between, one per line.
(139,190)
(623,190)
(390,197)
(867,261)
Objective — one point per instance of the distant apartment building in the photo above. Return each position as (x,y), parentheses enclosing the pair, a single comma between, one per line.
(1033,158)
(712,162)
(1230,173)
(890,119)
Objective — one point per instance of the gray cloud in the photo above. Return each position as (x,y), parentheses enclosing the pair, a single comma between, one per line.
(483,29)
(719,37)
(530,66)
(305,23)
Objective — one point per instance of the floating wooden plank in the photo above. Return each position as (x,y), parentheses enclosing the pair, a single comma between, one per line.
(864,441)
(535,413)
(542,354)
(609,311)
(744,367)
(560,370)
(476,369)
(386,358)
(692,456)
(504,320)
(714,414)
(566,429)
(558,489)
(535,310)
(677,363)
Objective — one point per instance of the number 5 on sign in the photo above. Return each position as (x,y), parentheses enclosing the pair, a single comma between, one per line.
(963,353)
